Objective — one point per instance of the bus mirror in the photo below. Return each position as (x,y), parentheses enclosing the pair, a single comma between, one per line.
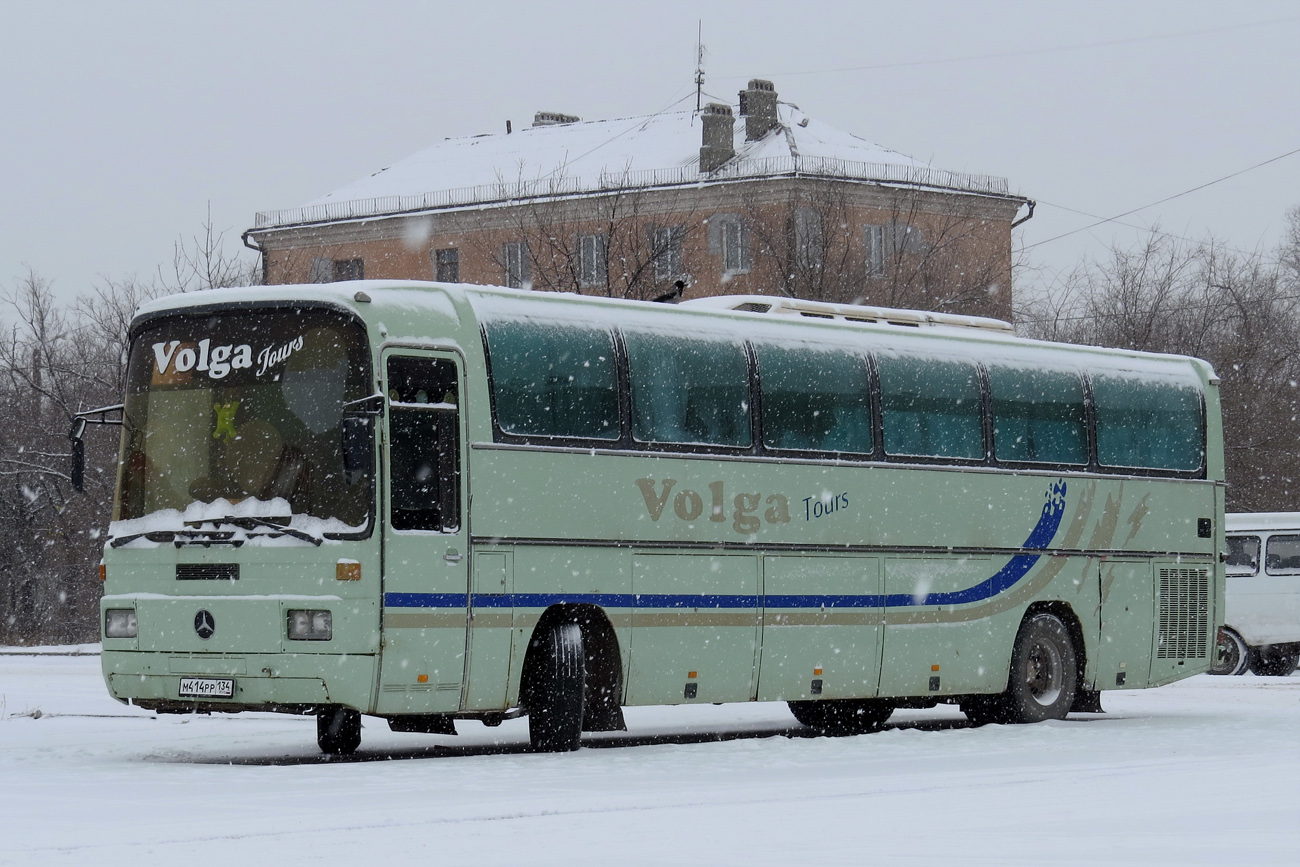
(78,463)
(357,446)
(78,428)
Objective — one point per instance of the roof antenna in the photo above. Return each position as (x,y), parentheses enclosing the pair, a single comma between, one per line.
(699,63)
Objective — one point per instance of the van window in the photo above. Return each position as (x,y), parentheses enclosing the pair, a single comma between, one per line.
(1283,555)
(931,408)
(1243,555)
(688,389)
(814,399)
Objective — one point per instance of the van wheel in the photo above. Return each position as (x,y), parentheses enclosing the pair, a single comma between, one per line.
(1231,655)
(1272,660)
(845,716)
(338,730)
(1041,682)
(557,694)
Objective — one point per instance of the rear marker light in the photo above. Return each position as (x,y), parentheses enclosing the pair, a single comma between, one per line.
(305,624)
(120,623)
(103,572)
(347,570)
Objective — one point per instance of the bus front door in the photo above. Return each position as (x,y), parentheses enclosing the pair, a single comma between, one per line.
(426,559)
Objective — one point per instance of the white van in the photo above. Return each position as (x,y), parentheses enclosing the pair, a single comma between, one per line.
(1261,629)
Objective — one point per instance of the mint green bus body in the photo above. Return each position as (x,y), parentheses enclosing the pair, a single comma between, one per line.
(742,568)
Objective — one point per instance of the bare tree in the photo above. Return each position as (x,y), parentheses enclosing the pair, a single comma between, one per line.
(1237,310)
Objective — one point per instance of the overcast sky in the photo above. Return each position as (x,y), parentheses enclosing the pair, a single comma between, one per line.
(122,121)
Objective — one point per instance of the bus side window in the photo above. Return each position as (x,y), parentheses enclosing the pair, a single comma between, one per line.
(1038,416)
(931,407)
(553,379)
(424,444)
(688,390)
(814,399)
(1148,424)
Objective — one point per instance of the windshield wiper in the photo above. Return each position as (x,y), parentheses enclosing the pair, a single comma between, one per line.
(248,522)
(204,537)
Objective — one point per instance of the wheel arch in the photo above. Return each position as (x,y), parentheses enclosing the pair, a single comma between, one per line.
(604,663)
(1064,612)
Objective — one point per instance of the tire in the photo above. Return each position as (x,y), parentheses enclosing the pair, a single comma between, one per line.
(338,730)
(557,694)
(845,716)
(1231,655)
(1041,682)
(1273,660)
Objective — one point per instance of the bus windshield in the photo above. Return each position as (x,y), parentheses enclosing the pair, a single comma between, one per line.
(239,413)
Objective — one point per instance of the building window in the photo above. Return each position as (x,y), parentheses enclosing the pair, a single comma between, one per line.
(808,243)
(514,259)
(322,270)
(349,269)
(666,251)
(593,269)
(446,265)
(735,247)
(875,251)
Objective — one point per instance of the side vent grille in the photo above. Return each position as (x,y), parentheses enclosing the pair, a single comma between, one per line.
(207,572)
(1184,613)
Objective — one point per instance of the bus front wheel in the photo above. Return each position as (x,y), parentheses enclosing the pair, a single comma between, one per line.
(1042,680)
(845,716)
(557,695)
(338,730)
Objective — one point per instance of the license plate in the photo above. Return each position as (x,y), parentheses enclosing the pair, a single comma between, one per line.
(207,687)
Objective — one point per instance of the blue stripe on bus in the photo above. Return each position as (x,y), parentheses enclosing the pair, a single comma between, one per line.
(1004,579)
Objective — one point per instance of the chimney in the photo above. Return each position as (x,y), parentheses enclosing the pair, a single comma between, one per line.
(719,145)
(758,107)
(553,118)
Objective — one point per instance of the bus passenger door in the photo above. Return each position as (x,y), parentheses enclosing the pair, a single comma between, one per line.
(425,540)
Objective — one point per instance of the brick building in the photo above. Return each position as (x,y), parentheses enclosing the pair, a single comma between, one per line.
(755,199)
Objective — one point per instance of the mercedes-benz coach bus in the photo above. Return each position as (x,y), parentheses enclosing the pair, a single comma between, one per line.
(429,502)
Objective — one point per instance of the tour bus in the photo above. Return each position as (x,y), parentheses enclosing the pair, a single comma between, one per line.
(428,503)
(1262,595)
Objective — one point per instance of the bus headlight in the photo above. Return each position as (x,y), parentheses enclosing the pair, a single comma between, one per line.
(120,623)
(310,625)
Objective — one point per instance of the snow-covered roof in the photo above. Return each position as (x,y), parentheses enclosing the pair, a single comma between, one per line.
(591,156)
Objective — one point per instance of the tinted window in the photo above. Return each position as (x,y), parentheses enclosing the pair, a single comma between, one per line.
(1243,555)
(814,399)
(1038,415)
(553,380)
(1148,424)
(688,390)
(931,408)
(1283,555)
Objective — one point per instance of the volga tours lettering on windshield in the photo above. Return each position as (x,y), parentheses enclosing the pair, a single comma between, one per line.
(218,361)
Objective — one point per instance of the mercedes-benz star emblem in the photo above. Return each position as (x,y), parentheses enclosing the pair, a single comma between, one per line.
(204,625)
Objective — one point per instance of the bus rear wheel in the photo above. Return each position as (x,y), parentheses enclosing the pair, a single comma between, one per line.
(1272,660)
(845,716)
(338,730)
(1042,681)
(1231,655)
(557,694)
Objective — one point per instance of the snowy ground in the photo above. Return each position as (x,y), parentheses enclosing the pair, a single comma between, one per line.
(1206,771)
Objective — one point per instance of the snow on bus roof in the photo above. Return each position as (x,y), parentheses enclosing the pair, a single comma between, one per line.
(706,317)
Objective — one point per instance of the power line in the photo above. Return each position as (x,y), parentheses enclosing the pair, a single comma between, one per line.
(1031,52)
(1162,201)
